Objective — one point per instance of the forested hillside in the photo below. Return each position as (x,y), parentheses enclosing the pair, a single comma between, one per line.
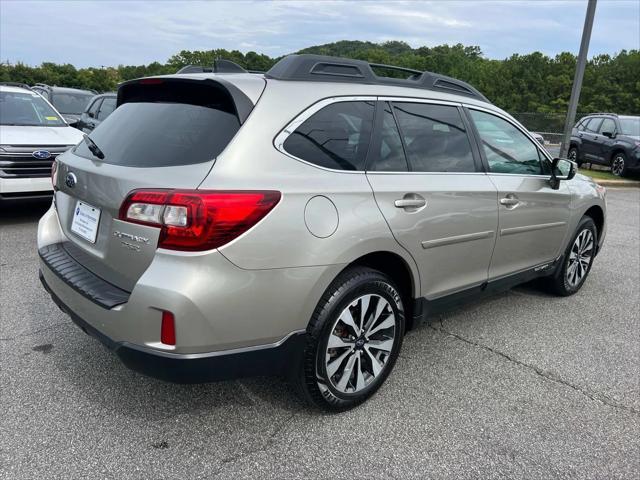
(520,83)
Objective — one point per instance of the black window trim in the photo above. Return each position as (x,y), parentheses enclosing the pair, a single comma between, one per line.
(478,142)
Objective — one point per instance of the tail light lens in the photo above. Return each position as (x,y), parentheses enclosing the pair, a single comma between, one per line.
(196,220)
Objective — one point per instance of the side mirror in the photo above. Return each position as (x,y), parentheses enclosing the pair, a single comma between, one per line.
(91,115)
(609,134)
(562,169)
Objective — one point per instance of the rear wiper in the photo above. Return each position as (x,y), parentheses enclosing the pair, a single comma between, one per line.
(93,147)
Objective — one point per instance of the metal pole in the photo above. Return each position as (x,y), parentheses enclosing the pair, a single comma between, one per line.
(577,79)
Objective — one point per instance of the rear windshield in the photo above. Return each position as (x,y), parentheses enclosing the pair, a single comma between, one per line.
(27,109)
(71,102)
(155,129)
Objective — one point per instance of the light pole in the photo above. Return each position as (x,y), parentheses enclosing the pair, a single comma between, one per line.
(577,79)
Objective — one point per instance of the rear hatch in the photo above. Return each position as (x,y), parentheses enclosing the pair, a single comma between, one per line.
(165,134)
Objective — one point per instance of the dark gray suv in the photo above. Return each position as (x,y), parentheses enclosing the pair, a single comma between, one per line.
(607,139)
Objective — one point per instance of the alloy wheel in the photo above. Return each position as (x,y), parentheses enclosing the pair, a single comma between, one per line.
(617,166)
(580,257)
(360,344)
(573,155)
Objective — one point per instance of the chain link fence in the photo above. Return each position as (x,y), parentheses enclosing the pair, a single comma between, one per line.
(549,125)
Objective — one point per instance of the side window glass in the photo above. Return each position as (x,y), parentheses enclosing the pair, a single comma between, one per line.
(435,138)
(507,149)
(335,137)
(108,106)
(94,107)
(387,154)
(593,125)
(608,125)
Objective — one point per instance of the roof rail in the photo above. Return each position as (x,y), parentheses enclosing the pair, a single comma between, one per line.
(16,84)
(320,68)
(219,66)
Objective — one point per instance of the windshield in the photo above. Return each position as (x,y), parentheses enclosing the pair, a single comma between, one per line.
(27,109)
(74,103)
(630,126)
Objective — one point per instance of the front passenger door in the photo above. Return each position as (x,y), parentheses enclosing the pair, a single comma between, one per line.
(532,217)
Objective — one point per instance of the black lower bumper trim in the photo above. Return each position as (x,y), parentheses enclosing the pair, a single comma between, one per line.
(177,368)
(86,283)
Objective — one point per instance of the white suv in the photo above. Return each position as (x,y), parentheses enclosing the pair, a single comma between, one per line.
(32,135)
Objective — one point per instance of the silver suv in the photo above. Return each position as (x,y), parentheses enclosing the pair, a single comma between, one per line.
(299,222)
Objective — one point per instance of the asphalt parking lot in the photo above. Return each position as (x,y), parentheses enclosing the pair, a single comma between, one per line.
(520,385)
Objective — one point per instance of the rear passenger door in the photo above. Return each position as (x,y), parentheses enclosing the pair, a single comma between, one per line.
(88,119)
(426,177)
(533,218)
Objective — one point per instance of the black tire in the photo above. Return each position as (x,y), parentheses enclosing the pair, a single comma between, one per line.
(348,288)
(619,164)
(561,283)
(574,156)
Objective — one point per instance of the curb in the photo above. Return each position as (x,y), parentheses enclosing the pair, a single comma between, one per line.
(617,183)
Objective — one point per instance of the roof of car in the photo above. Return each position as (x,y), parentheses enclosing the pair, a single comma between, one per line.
(15,89)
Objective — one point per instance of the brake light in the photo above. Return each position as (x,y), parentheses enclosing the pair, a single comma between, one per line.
(54,174)
(196,220)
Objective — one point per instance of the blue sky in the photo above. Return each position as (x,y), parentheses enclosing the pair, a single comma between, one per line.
(94,33)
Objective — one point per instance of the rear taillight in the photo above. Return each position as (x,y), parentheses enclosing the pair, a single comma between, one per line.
(196,220)
(54,174)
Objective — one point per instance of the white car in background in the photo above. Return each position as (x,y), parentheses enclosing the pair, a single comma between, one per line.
(32,135)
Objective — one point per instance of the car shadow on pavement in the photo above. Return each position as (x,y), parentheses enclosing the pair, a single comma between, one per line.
(99,377)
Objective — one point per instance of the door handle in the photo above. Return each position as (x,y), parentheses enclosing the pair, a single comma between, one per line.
(410,201)
(509,201)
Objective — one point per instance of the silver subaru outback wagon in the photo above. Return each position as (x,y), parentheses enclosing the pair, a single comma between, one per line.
(222,223)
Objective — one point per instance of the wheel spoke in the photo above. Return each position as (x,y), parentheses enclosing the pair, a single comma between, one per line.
(386,323)
(364,306)
(346,373)
(360,383)
(333,367)
(347,319)
(380,308)
(384,345)
(338,342)
(376,366)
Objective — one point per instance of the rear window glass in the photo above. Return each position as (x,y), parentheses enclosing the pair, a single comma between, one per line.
(335,137)
(156,130)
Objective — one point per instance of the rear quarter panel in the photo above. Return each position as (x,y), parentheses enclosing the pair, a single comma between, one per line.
(283,239)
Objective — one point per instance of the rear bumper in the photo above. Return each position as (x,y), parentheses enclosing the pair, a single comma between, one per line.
(273,359)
